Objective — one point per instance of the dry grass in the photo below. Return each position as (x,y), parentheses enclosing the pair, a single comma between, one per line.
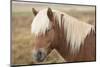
(54,57)
(23,40)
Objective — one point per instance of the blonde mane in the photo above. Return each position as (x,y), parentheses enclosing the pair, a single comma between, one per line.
(75,30)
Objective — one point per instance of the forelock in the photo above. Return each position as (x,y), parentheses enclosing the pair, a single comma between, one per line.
(40,23)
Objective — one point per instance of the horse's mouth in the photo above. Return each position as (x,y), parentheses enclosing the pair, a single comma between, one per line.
(40,60)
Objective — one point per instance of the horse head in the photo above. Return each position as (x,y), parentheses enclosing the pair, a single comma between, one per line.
(47,31)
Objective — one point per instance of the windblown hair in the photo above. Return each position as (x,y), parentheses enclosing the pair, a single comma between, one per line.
(40,23)
(75,30)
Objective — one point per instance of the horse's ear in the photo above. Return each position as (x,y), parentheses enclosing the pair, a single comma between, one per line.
(50,14)
(34,11)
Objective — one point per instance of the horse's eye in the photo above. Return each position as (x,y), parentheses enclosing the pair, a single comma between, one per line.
(48,30)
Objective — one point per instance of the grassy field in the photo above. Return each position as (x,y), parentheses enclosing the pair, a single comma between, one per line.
(23,40)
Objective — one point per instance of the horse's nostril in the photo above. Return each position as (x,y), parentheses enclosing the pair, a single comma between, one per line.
(40,56)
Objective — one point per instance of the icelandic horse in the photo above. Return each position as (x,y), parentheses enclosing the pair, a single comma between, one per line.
(75,40)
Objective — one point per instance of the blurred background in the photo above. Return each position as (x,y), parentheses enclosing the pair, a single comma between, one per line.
(22,17)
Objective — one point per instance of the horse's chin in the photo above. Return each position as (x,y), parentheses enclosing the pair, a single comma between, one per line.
(40,60)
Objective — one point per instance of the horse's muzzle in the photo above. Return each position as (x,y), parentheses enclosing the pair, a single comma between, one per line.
(39,56)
